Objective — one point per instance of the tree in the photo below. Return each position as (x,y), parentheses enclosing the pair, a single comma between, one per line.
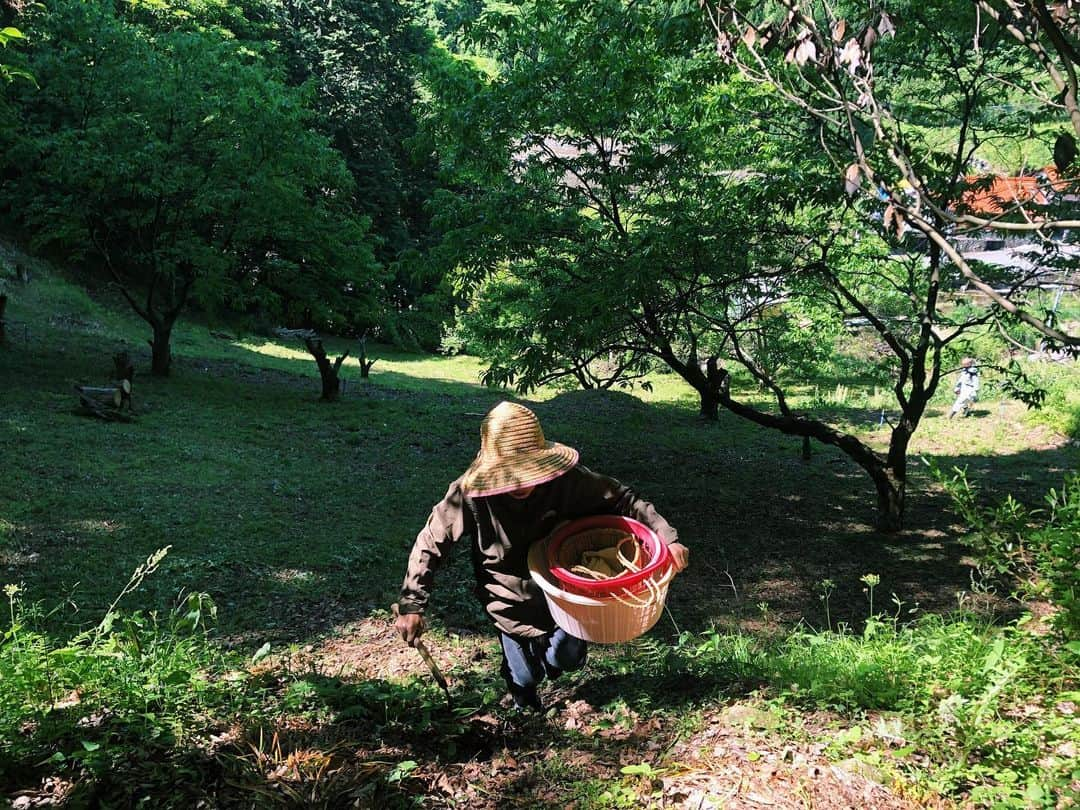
(994,70)
(361,60)
(9,35)
(186,170)
(624,200)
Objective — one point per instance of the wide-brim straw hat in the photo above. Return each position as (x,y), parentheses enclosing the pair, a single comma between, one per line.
(514,454)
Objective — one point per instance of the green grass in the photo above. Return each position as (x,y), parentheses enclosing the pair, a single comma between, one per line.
(992,708)
(296,518)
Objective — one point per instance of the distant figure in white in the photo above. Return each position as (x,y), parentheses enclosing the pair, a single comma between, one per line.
(967,387)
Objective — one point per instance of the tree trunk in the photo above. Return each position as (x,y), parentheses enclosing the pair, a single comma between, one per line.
(710,405)
(890,501)
(365,364)
(125,368)
(160,351)
(331,383)
(892,488)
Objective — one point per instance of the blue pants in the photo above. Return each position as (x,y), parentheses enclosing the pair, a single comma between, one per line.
(527,661)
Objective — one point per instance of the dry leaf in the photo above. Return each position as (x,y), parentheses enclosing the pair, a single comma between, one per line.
(749,37)
(869,38)
(885,25)
(805,52)
(851,55)
(852,179)
(838,30)
(723,47)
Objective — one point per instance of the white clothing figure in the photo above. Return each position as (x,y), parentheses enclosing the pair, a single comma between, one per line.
(967,387)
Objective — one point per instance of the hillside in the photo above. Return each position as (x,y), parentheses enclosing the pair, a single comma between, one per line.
(295,517)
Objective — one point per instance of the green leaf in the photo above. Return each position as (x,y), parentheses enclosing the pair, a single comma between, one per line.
(11,33)
(90,746)
(993,658)
(178,677)
(401,770)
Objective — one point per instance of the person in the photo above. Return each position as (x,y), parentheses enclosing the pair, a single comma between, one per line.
(518,489)
(966,388)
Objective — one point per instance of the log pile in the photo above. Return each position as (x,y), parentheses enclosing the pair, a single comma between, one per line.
(111,403)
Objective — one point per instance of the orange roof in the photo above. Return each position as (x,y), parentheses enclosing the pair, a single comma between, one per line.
(1001,194)
(1057,182)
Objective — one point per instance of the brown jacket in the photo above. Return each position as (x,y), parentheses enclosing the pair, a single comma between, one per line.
(501,529)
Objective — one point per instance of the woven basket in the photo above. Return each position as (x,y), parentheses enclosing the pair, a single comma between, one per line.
(607,620)
(596,532)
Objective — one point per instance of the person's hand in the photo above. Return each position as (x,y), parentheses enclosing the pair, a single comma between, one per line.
(680,557)
(410,626)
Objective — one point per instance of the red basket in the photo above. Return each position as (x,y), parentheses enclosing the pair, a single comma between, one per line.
(656,555)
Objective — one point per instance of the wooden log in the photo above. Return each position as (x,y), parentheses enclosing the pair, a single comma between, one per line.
(302,334)
(116,397)
(112,395)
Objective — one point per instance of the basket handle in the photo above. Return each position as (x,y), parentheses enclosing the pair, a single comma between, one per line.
(629,598)
(632,600)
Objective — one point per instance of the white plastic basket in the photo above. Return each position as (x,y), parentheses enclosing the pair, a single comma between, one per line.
(605,621)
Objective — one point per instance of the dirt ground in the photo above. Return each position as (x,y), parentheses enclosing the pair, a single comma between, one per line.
(734,759)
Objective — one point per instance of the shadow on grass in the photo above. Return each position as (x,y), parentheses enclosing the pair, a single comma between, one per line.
(298,516)
(373,744)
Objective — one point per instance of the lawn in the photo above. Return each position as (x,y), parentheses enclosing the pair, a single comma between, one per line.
(296,517)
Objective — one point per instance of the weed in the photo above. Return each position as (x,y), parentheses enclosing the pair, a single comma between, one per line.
(827,588)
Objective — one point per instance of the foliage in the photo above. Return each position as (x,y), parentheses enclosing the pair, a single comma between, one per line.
(359,59)
(990,706)
(1036,548)
(136,684)
(674,219)
(177,162)
(984,75)
(9,73)
(603,230)
(1061,410)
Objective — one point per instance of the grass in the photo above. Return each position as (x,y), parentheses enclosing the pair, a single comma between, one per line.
(295,518)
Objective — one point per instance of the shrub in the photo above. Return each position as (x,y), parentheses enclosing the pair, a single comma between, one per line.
(134,684)
(1035,548)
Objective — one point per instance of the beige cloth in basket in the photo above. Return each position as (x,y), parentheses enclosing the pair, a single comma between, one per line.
(606,553)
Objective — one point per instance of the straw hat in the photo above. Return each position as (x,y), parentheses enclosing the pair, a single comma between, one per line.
(514,454)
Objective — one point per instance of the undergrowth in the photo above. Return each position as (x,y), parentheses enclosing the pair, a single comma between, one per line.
(950,706)
(942,705)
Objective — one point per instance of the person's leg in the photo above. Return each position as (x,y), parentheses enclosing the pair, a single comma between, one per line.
(957,406)
(565,653)
(969,400)
(523,670)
